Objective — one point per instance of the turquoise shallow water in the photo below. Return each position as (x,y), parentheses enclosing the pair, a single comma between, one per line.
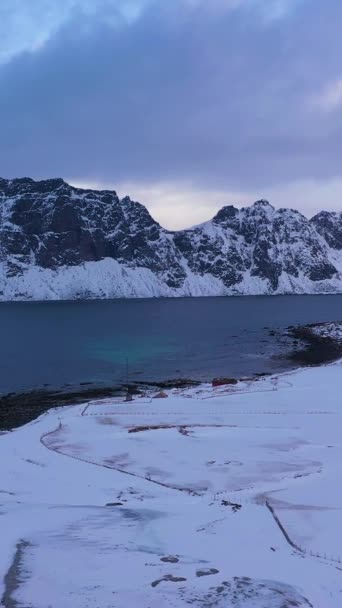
(128,351)
(58,343)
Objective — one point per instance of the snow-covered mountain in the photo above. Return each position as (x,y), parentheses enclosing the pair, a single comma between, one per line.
(61,242)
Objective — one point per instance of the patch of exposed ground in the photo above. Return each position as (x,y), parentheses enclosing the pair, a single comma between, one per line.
(242,592)
(13,578)
(170,559)
(206,572)
(168,578)
(315,343)
(17,409)
(182,429)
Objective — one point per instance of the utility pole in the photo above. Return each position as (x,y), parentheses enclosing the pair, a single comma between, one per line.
(128,394)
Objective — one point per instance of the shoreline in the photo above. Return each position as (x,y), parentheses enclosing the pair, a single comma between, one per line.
(315,344)
(243,490)
(169,297)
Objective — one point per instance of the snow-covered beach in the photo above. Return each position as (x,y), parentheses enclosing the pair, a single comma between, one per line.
(170,304)
(209,497)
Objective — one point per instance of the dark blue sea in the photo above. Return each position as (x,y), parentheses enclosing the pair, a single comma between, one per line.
(107,342)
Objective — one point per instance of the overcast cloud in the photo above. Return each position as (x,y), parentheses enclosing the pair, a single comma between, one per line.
(177,102)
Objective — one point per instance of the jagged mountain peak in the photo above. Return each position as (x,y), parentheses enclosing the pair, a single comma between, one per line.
(262,203)
(329,226)
(336,214)
(28,185)
(60,241)
(137,215)
(260,209)
(126,200)
(228,213)
(56,185)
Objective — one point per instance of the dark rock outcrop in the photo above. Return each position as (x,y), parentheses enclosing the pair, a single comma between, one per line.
(51,231)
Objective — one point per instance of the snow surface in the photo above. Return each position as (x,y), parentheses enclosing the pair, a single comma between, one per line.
(328,330)
(58,242)
(171,462)
(108,278)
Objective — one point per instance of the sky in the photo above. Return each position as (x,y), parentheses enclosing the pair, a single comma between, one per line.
(185,105)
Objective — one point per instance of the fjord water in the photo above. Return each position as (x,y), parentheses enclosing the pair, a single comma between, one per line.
(107,342)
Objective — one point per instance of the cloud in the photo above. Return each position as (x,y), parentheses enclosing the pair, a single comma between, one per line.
(214,95)
(330,98)
(27,25)
(175,205)
(181,205)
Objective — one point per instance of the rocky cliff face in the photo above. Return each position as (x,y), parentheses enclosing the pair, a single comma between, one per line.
(329,226)
(57,241)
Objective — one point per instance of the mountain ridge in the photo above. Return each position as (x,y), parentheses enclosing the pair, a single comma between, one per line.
(58,241)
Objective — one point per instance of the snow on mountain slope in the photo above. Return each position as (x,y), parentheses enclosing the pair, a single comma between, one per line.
(61,242)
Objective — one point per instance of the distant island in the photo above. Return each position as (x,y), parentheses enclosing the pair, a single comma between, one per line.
(60,242)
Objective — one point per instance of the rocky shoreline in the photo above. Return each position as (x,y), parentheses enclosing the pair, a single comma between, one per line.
(17,409)
(313,344)
(316,343)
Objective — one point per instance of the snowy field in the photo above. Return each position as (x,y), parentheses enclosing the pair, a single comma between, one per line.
(226,497)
